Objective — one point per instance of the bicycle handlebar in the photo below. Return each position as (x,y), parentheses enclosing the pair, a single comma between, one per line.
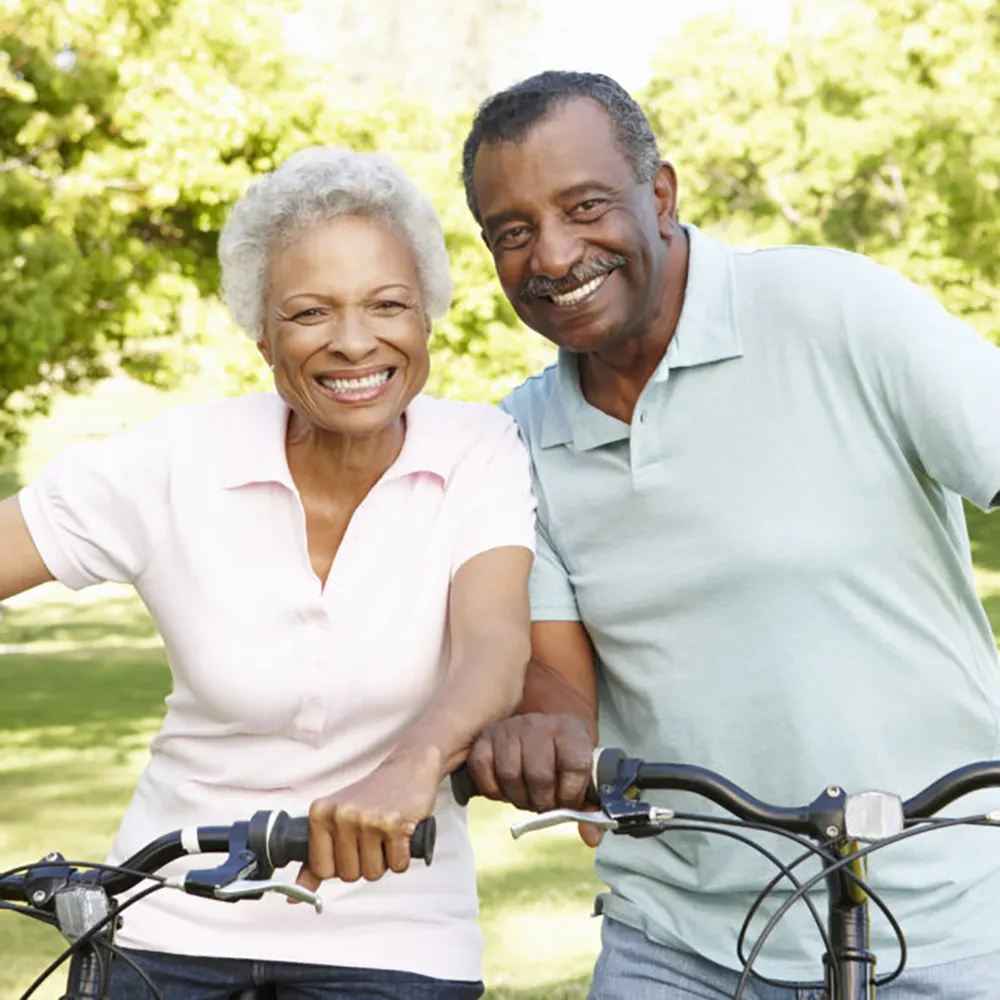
(269,840)
(614,774)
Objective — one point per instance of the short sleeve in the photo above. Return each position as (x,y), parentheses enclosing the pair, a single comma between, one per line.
(93,511)
(499,509)
(552,597)
(941,384)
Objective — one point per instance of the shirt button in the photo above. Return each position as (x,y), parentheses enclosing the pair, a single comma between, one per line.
(642,417)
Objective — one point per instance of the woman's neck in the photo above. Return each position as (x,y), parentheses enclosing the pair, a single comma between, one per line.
(338,464)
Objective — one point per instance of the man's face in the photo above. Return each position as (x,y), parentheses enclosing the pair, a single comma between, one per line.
(579,245)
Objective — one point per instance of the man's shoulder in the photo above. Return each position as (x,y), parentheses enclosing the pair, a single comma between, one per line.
(529,402)
(804,269)
(812,265)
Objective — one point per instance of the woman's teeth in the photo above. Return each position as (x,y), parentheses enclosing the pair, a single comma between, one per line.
(356,384)
(578,294)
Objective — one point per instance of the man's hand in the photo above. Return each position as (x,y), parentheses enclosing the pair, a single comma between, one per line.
(536,762)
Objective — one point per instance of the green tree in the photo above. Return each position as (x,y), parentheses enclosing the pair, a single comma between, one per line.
(127,129)
(870,127)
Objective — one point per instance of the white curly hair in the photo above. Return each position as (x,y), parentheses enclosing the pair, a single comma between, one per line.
(314,186)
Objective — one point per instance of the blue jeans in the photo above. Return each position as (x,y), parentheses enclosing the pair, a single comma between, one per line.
(631,967)
(186,977)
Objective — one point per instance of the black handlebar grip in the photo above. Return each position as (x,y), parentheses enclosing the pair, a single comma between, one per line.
(288,840)
(423,840)
(462,785)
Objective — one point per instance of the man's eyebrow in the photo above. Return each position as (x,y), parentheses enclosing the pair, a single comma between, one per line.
(491,222)
(586,187)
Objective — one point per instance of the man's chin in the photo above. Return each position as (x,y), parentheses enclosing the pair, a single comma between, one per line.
(581,340)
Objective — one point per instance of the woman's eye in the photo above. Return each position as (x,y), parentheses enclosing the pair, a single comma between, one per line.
(307,314)
(390,306)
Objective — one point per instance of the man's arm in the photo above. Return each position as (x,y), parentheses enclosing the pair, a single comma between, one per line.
(541,758)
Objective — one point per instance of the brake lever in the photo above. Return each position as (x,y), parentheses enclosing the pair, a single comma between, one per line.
(554,817)
(248,888)
(645,820)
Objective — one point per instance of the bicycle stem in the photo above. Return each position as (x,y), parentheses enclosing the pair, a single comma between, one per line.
(850,967)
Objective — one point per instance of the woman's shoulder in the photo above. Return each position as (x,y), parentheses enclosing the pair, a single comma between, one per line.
(205,421)
(457,421)
(458,431)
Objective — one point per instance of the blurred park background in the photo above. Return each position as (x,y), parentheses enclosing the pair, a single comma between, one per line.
(128,127)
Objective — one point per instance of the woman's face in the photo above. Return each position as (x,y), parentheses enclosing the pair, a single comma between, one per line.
(344,325)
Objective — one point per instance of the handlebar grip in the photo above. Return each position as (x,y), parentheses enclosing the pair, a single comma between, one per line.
(288,840)
(462,785)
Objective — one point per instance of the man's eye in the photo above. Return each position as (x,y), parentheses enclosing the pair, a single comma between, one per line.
(590,207)
(511,239)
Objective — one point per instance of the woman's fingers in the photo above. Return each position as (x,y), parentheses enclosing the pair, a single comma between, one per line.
(348,843)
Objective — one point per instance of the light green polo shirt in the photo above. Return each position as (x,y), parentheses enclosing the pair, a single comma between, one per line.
(773,565)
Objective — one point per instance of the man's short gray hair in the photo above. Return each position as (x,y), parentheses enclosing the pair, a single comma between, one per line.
(312,187)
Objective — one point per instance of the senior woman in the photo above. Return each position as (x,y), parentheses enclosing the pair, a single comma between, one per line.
(339,574)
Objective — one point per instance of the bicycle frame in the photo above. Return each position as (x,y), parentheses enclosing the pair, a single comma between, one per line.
(850,969)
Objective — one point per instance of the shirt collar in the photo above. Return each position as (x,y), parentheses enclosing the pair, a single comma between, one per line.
(253,446)
(707,331)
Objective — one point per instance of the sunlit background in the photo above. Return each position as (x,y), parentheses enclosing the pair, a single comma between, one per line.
(127,128)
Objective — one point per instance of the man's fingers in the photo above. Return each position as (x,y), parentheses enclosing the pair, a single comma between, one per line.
(591,835)
(540,774)
(574,756)
(481,767)
(508,765)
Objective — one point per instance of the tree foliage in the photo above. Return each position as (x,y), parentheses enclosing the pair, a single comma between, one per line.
(127,129)
(870,127)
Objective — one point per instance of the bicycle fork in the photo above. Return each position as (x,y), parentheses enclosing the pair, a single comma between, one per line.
(850,966)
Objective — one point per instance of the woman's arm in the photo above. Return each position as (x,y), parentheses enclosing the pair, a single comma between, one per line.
(365,829)
(490,646)
(21,567)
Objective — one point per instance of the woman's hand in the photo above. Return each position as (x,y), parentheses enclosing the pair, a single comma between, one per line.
(364,830)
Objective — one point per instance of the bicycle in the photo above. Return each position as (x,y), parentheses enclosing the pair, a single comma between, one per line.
(79,898)
(842,830)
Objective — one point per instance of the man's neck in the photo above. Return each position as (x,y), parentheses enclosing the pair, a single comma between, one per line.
(612,381)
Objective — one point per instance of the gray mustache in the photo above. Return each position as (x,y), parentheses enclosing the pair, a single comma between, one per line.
(579,274)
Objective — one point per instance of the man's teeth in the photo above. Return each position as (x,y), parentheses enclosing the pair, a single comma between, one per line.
(357,384)
(578,294)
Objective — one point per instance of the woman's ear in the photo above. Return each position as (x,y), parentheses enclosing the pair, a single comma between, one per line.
(265,351)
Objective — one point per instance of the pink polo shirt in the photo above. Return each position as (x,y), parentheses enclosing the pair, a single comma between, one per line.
(284,690)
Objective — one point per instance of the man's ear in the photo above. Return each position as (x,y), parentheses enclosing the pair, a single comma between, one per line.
(665,194)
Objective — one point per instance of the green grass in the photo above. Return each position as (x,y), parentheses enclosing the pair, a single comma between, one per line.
(84,679)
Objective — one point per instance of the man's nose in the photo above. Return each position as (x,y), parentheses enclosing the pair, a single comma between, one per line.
(557,248)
